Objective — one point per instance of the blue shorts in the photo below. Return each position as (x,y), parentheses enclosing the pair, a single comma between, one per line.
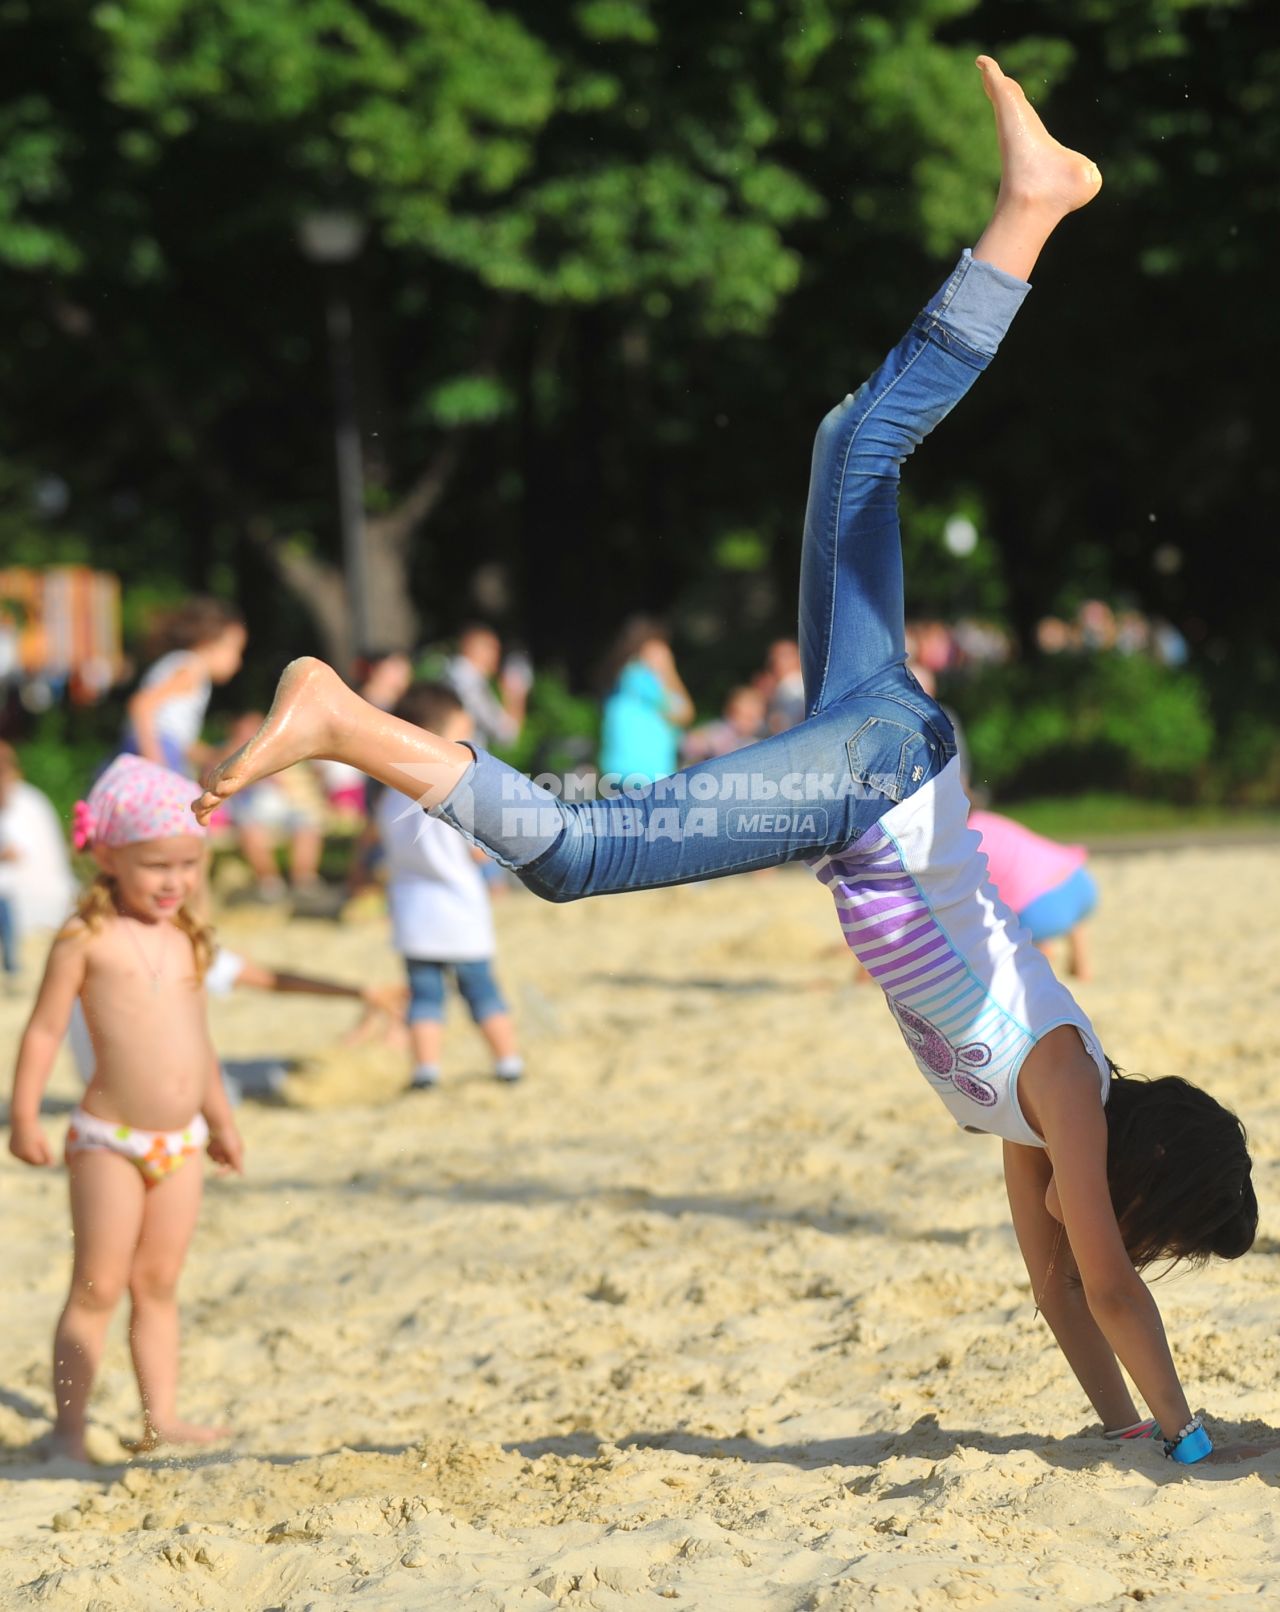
(1059,910)
(475,981)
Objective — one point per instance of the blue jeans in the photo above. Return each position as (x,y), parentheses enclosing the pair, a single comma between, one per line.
(871,735)
(475,981)
(8,937)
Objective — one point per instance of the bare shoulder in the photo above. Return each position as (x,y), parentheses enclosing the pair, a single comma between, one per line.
(74,938)
(67,965)
(83,945)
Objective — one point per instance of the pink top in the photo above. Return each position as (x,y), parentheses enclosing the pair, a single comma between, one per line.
(1021,864)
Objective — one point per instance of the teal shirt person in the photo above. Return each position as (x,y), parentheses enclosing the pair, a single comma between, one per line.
(639,737)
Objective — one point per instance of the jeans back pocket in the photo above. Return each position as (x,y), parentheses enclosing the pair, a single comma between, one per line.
(890,758)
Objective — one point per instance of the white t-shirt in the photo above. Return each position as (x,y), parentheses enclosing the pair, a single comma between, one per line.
(492,722)
(439,905)
(180,717)
(39,882)
(970,992)
(219,980)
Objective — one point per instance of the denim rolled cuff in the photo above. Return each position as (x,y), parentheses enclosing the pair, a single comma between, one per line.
(977,304)
(510,818)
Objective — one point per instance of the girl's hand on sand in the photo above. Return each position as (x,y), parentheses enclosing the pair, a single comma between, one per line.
(30,1144)
(226,1149)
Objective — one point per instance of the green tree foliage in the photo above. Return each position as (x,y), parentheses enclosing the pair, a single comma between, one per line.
(1112,721)
(621,255)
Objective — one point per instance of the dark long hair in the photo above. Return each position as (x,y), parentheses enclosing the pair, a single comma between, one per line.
(1179,1172)
(633,635)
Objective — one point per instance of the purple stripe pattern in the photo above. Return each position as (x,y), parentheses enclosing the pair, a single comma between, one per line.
(963,1041)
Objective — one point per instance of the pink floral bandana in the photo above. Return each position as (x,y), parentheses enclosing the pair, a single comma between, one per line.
(135,800)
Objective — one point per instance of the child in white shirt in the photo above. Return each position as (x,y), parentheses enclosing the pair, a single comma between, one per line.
(440,917)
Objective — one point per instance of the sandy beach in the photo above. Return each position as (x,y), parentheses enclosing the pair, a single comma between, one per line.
(717,1310)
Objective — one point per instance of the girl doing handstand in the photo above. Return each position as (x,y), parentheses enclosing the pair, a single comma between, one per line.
(1104,1175)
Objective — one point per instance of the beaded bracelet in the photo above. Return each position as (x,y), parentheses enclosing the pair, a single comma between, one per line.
(1191,1445)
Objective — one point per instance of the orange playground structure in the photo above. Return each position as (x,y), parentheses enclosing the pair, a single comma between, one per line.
(61,625)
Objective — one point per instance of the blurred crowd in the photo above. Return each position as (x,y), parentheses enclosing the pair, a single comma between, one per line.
(968,645)
(1096,627)
(648,723)
(311,839)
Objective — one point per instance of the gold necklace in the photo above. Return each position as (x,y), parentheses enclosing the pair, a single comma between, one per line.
(154,972)
(1053,1260)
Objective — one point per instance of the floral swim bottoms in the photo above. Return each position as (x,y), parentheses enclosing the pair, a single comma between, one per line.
(155,1153)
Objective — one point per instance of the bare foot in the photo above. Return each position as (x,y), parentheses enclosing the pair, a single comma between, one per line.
(1038,171)
(57,1446)
(175,1432)
(308,716)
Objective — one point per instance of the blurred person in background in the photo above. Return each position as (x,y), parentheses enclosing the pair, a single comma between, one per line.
(645,707)
(1133,633)
(200,644)
(1168,644)
(497,718)
(980,643)
(381,676)
(930,645)
(1046,884)
(741,722)
(440,917)
(288,807)
(37,889)
(1097,622)
(783,686)
(1055,636)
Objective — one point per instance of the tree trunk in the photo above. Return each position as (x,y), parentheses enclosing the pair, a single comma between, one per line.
(317,583)
(321,587)
(388,547)
(392,618)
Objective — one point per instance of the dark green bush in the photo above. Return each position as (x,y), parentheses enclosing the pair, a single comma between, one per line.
(1246,770)
(1090,722)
